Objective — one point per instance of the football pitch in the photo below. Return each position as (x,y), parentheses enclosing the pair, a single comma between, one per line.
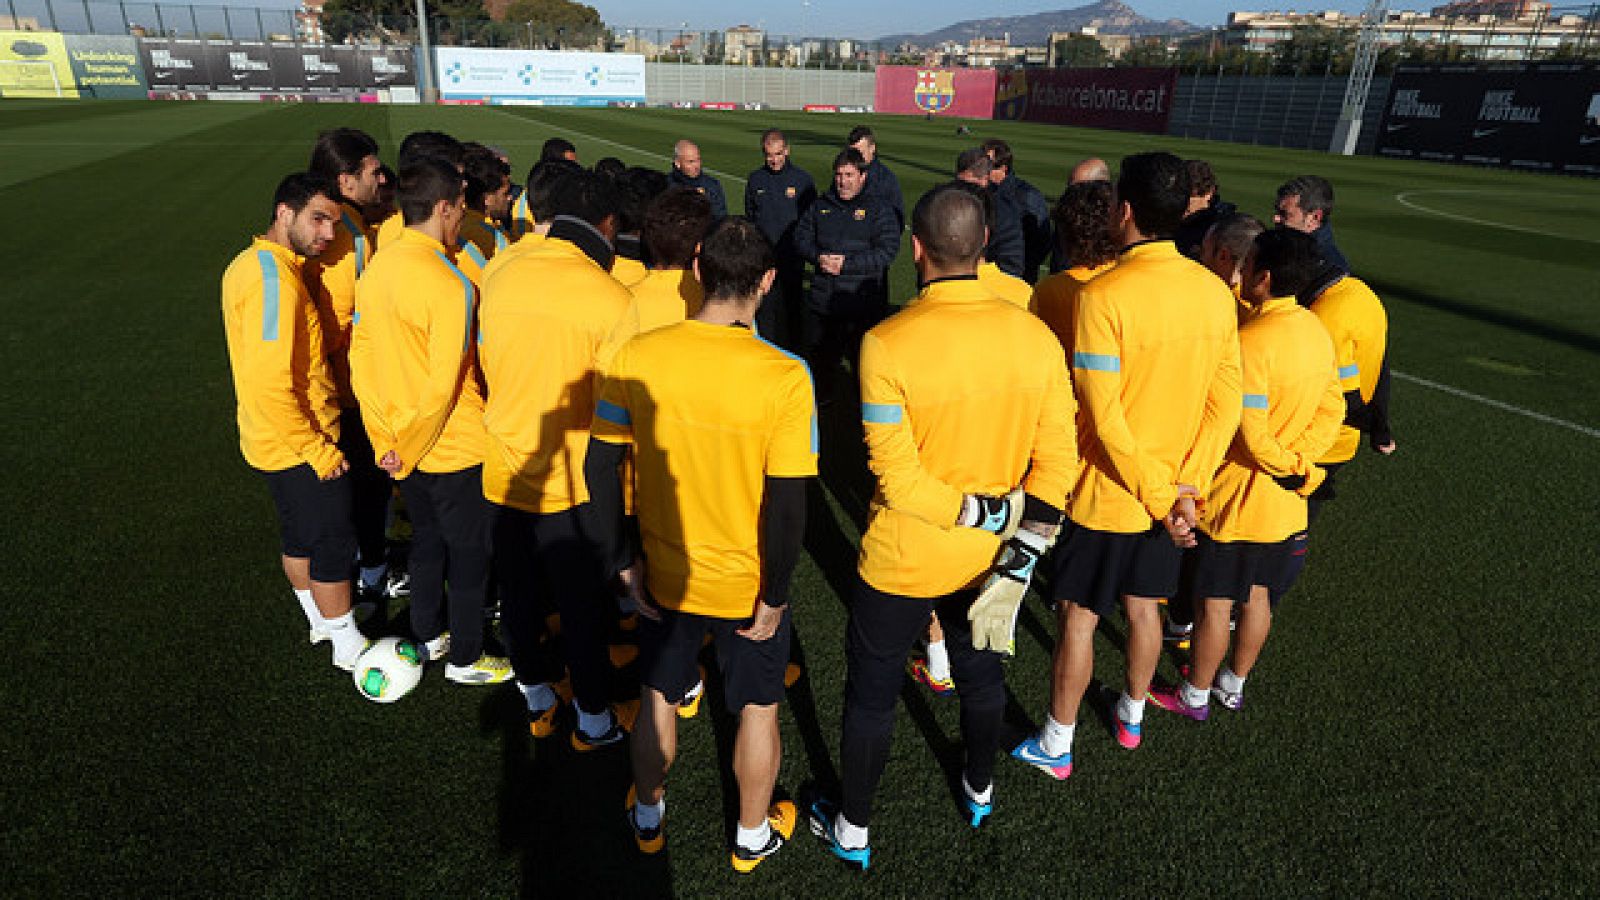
(1419,725)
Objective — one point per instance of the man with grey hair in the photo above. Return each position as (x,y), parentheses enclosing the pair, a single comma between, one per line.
(687,172)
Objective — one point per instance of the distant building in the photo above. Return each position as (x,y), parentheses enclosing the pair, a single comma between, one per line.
(742,45)
(19,23)
(1531,32)
(308,22)
(1115,45)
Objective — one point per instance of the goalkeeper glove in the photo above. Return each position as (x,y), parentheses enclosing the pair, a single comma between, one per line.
(996,515)
(994,614)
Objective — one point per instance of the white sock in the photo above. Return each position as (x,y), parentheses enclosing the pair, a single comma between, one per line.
(1056,738)
(540,697)
(850,837)
(938,661)
(309,607)
(648,815)
(754,838)
(1130,710)
(372,577)
(983,797)
(1193,697)
(594,724)
(1230,682)
(347,638)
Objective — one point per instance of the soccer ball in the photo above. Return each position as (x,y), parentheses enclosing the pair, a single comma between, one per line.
(388,670)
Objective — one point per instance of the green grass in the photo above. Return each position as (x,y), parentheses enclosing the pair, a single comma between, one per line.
(1419,725)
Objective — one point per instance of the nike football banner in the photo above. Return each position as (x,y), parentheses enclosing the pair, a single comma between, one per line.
(1536,116)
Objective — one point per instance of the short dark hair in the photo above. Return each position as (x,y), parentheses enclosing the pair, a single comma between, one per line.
(861,132)
(949,222)
(674,224)
(1156,186)
(986,197)
(557,148)
(974,160)
(1314,192)
(773,134)
(850,156)
(485,173)
(1000,152)
(734,257)
(435,144)
(297,189)
(1290,256)
(1082,218)
(340,151)
(610,167)
(1237,232)
(423,184)
(587,196)
(542,181)
(1202,180)
(638,187)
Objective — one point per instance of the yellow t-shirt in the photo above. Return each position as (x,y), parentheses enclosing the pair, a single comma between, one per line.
(413,361)
(710,411)
(1291,413)
(1155,363)
(663,297)
(1055,300)
(547,310)
(974,423)
(628,271)
(1355,319)
(331,278)
(388,231)
(1007,287)
(521,218)
(288,408)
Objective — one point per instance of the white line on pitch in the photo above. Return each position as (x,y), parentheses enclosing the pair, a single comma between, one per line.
(1401,198)
(589,137)
(1500,404)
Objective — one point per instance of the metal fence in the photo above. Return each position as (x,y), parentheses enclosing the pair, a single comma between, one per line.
(773,87)
(1277,111)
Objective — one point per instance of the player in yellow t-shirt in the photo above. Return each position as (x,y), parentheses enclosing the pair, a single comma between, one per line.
(288,406)
(638,188)
(415,146)
(488,181)
(1252,533)
(1156,369)
(963,452)
(414,367)
(669,292)
(1082,220)
(723,429)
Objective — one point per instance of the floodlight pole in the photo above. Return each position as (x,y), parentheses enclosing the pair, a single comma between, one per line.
(430,84)
(1348,132)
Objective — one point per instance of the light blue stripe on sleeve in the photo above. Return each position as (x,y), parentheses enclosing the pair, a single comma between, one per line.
(1349,371)
(1255,401)
(1097,362)
(472,296)
(816,435)
(614,414)
(359,239)
(473,251)
(882,413)
(269,295)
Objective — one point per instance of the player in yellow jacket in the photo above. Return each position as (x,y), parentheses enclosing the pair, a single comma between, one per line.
(488,199)
(723,427)
(962,451)
(414,366)
(349,158)
(288,406)
(1252,535)
(669,292)
(1082,220)
(415,146)
(546,314)
(1156,367)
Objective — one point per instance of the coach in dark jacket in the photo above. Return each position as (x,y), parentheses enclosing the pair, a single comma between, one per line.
(687,172)
(775,197)
(850,239)
(1006,248)
(1033,210)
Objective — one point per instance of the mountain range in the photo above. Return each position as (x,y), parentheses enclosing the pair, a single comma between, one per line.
(1109,16)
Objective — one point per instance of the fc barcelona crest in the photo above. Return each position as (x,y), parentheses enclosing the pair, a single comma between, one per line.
(936,90)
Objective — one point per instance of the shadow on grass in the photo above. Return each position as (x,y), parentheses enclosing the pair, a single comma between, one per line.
(1501,318)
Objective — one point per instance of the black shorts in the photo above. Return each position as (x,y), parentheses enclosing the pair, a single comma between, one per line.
(1231,568)
(752,673)
(314,521)
(1095,569)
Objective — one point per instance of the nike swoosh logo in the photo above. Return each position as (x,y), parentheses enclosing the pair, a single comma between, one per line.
(1483,132)
(1394,128)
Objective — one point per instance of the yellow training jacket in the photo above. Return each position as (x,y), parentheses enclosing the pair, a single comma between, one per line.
(288,408)
(1155,362)
(1356,321)
(412,358)
(1055,300)
(1291,413)
(995,412)
(628,271)
(331,279)
(546,313)
(1007,287)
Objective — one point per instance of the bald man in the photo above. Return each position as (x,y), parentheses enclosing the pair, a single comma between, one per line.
(1091,169)
(687,172)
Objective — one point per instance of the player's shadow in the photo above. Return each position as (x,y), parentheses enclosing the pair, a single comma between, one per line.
(1502,318)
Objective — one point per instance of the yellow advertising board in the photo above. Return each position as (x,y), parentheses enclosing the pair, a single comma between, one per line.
(35,64)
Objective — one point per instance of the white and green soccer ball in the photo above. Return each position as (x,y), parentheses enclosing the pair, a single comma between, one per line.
(388,670)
